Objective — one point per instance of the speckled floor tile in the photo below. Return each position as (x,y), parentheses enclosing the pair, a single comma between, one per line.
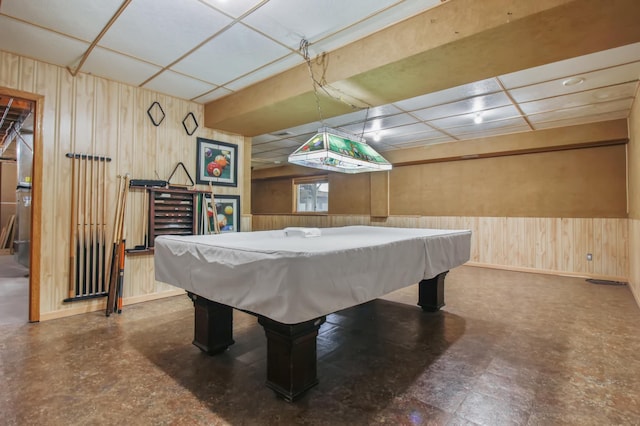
(508,348)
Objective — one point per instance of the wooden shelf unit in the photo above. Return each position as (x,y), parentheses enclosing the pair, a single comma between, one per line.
(172,211)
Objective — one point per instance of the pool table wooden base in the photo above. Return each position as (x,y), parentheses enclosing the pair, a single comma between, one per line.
(291,348)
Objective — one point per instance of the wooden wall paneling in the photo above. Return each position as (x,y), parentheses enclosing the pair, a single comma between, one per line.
(471,224)
(609,250)
(622,257)
(634,254)
(379,199)
(349,193)
(349,220)
(54,190)
(486,242)
(542,244)
(246,223)
(514,244)
(597,264)
(541,241)
(518,234)
(566,247)
(9,70)
(27,75)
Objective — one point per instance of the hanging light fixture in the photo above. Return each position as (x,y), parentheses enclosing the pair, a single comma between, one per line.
(336,150)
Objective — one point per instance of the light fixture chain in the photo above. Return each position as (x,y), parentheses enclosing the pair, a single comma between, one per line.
(364,125)
(304,49)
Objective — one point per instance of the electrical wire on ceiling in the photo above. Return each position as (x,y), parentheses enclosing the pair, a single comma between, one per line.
(322,61)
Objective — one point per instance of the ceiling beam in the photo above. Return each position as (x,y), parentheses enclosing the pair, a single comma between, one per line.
(457,42)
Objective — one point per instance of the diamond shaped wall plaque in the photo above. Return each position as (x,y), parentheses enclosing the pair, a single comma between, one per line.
(190,124)
(156,114)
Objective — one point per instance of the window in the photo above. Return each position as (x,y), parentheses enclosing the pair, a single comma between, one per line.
(311,194)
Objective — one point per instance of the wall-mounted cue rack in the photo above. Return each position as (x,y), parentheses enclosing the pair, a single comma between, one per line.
(172,211)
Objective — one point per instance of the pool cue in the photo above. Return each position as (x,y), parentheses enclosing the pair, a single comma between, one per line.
(82,231)
(120,289)
(216,225)
(73,244)
(90,283)
(145,222)
(103,216)
(115,259)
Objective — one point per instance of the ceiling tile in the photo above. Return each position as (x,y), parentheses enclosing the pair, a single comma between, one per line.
(615,115)
(310,19)
(266,71)
(302,138)
(108,64)
(493,132)
(475,104)
(235,8)
(213,95)
(390,137)
(398,12)
(583,111)
(284,143)
(502,113)
(81,18)
(235,52)
(495,127)
(163,30)
(379,123)
(178,85)
(425,142)
(301,130)
(573,66)
(482,87)
(603,94)
(592,80)
(35,42)
(262,139)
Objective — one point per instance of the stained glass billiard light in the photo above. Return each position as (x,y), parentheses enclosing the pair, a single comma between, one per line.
(338,151)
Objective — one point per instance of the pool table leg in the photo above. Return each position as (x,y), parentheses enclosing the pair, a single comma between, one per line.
(213,325)
(291,356)
(431,293)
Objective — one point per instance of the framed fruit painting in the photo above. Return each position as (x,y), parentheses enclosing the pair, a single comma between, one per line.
(217,162)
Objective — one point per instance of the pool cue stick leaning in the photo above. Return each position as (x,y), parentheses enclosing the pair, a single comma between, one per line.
(216,225)
(111,293)
(91,196)
(120,289)
(73,244)
(81,227)
(103,218)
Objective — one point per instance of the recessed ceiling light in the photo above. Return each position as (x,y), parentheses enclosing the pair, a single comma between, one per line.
(478,118)
(376,137)
(602,94)
(573,81)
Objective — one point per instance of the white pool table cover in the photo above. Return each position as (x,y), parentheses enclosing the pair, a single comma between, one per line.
(292,279)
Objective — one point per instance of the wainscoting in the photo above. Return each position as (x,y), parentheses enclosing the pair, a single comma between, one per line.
(634,256)
(548,245)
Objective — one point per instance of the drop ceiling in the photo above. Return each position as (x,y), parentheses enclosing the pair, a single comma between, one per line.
(211,50)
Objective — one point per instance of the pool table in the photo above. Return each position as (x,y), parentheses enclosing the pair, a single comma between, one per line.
(291,279)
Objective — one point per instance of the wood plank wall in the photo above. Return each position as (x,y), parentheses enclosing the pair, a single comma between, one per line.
(93,115)
(550,245)
(633,166)
(634,254)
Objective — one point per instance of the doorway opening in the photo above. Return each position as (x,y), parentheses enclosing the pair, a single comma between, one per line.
(19,138)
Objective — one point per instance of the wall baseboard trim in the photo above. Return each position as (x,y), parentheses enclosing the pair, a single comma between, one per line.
(584,275)
(99,304)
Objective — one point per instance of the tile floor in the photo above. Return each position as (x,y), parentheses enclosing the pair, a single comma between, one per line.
(14,291)
(508,349)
